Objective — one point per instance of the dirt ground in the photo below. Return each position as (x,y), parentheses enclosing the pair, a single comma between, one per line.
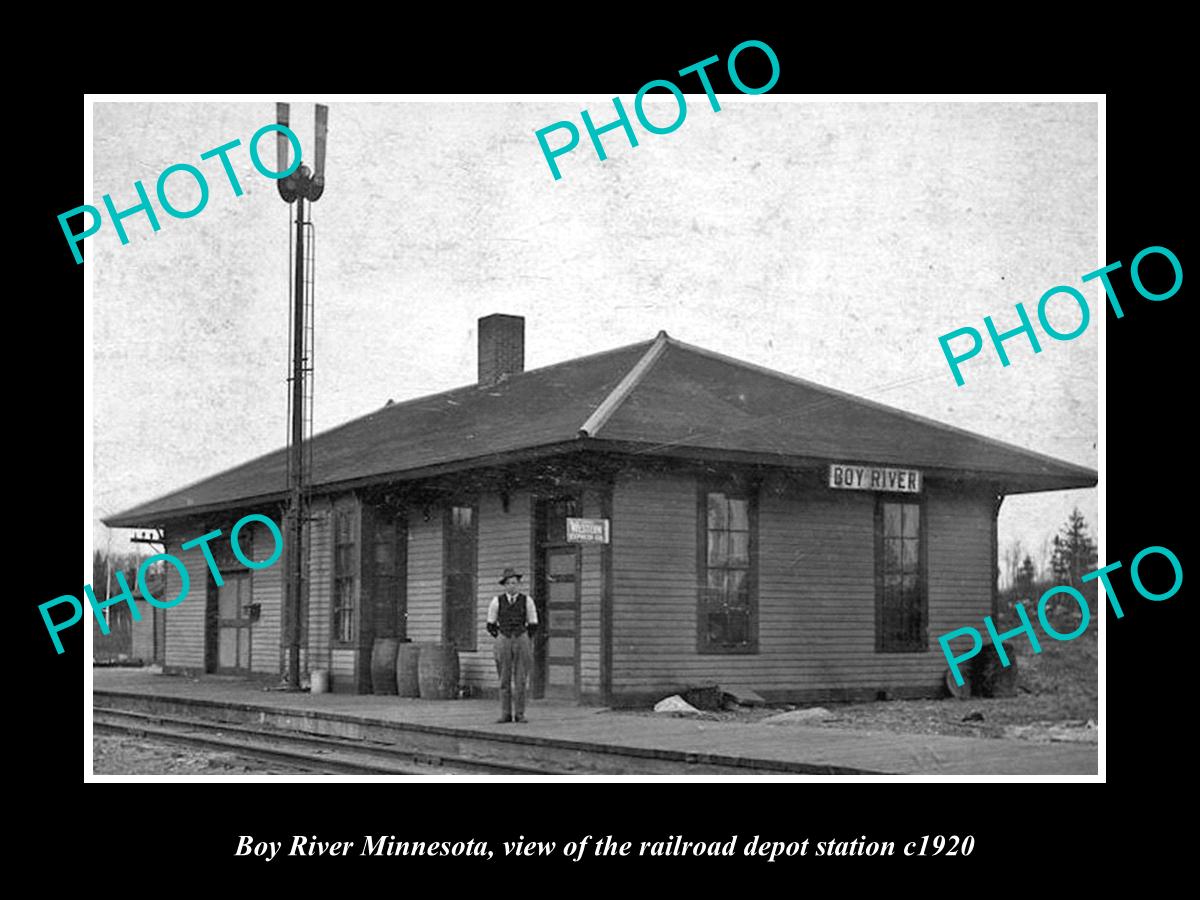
(1056,701)
(144,756)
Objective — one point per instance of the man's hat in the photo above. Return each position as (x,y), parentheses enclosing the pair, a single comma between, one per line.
(510,572)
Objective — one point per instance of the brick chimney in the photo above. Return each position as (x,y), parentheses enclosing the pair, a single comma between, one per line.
(501,347)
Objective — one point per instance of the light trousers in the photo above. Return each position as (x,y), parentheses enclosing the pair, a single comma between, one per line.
(514,661)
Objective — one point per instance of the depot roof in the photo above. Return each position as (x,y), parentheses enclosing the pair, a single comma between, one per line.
(658,398)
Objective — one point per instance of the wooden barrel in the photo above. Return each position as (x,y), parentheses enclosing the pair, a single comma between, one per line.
(407,682)
(383,665)
(320,681)
(437,672)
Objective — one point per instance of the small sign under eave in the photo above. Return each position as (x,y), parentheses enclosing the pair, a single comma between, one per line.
(587,531)
(874,478)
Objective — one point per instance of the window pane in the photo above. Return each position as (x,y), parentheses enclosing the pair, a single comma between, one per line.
(738,628)
(912,520)
(891,520)
(718,511)
(737,586)
(716,586)
(718,548)
(739,548)
(911,557)
(910,594)
(891,591)
(716,628)
(739,515)
(891,555)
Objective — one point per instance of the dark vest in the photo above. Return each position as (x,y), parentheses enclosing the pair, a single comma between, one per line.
(511,617)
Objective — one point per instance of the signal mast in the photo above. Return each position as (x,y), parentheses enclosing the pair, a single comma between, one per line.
(302,185)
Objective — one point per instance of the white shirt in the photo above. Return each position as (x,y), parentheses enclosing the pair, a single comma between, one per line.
(530,609)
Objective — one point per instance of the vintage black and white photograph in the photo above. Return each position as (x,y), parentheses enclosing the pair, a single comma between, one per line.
(419,460)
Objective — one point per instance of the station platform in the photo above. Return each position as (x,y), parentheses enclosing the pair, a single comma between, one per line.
(563,738)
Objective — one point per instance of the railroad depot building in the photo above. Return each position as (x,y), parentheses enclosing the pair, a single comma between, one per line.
(682,518)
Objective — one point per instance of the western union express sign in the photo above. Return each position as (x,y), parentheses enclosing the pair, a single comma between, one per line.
(874,478)
(587,531)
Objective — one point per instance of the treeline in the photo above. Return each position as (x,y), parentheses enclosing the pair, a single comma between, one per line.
(1073,554)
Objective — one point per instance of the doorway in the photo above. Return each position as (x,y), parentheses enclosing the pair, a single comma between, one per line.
(234,623)
(556,594)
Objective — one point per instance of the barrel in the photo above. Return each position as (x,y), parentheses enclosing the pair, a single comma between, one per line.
(383,665)
(407,682)
(437,672)
(320,681)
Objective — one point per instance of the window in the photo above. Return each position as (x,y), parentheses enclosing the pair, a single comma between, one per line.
(344,625)
(900,618)
(459,558)
(728,608)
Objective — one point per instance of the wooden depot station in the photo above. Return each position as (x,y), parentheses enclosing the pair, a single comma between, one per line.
(682,518)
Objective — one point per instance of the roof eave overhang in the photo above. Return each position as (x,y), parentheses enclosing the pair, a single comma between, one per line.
(1002,482)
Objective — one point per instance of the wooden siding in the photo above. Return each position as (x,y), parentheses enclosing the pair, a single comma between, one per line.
(266,589)
(503,542)
(185,622)
(320,573)
(589,603)
(425,576)
(816,589)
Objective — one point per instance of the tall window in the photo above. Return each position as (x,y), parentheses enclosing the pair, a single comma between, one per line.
(344,625)
(460,560)
(728,608)
(900,620)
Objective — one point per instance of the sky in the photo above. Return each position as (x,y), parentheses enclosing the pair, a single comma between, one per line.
(831,241)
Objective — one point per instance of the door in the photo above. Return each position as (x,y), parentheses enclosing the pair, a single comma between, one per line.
(556,594)
(389,606)
(562,621)
(234,623)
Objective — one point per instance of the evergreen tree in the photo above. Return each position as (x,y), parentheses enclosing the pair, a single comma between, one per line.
(1026,576)
(1074,553)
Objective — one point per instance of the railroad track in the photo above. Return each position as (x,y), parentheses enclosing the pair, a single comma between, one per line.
(311,753)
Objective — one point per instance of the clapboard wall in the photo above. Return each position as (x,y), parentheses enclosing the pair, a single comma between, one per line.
(503,540)
(320,584)
(816,590)
(266,589)
(185,621)
(590,598)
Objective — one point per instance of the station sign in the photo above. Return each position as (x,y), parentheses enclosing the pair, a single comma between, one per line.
(874,478)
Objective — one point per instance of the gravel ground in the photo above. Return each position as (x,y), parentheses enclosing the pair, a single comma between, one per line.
(1022,718)
(112,755)
(1057,701)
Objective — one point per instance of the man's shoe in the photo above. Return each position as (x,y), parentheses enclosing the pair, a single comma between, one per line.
(503,719)
(520,719)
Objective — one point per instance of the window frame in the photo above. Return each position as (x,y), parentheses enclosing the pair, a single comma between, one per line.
(351,575)
(917,500)
(447,533)
(739,488)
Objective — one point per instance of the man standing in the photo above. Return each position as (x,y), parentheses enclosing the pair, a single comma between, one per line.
(512,621)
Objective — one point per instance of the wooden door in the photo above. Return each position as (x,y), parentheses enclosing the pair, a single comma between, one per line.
(234,623)
(556,592)
(561,623)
